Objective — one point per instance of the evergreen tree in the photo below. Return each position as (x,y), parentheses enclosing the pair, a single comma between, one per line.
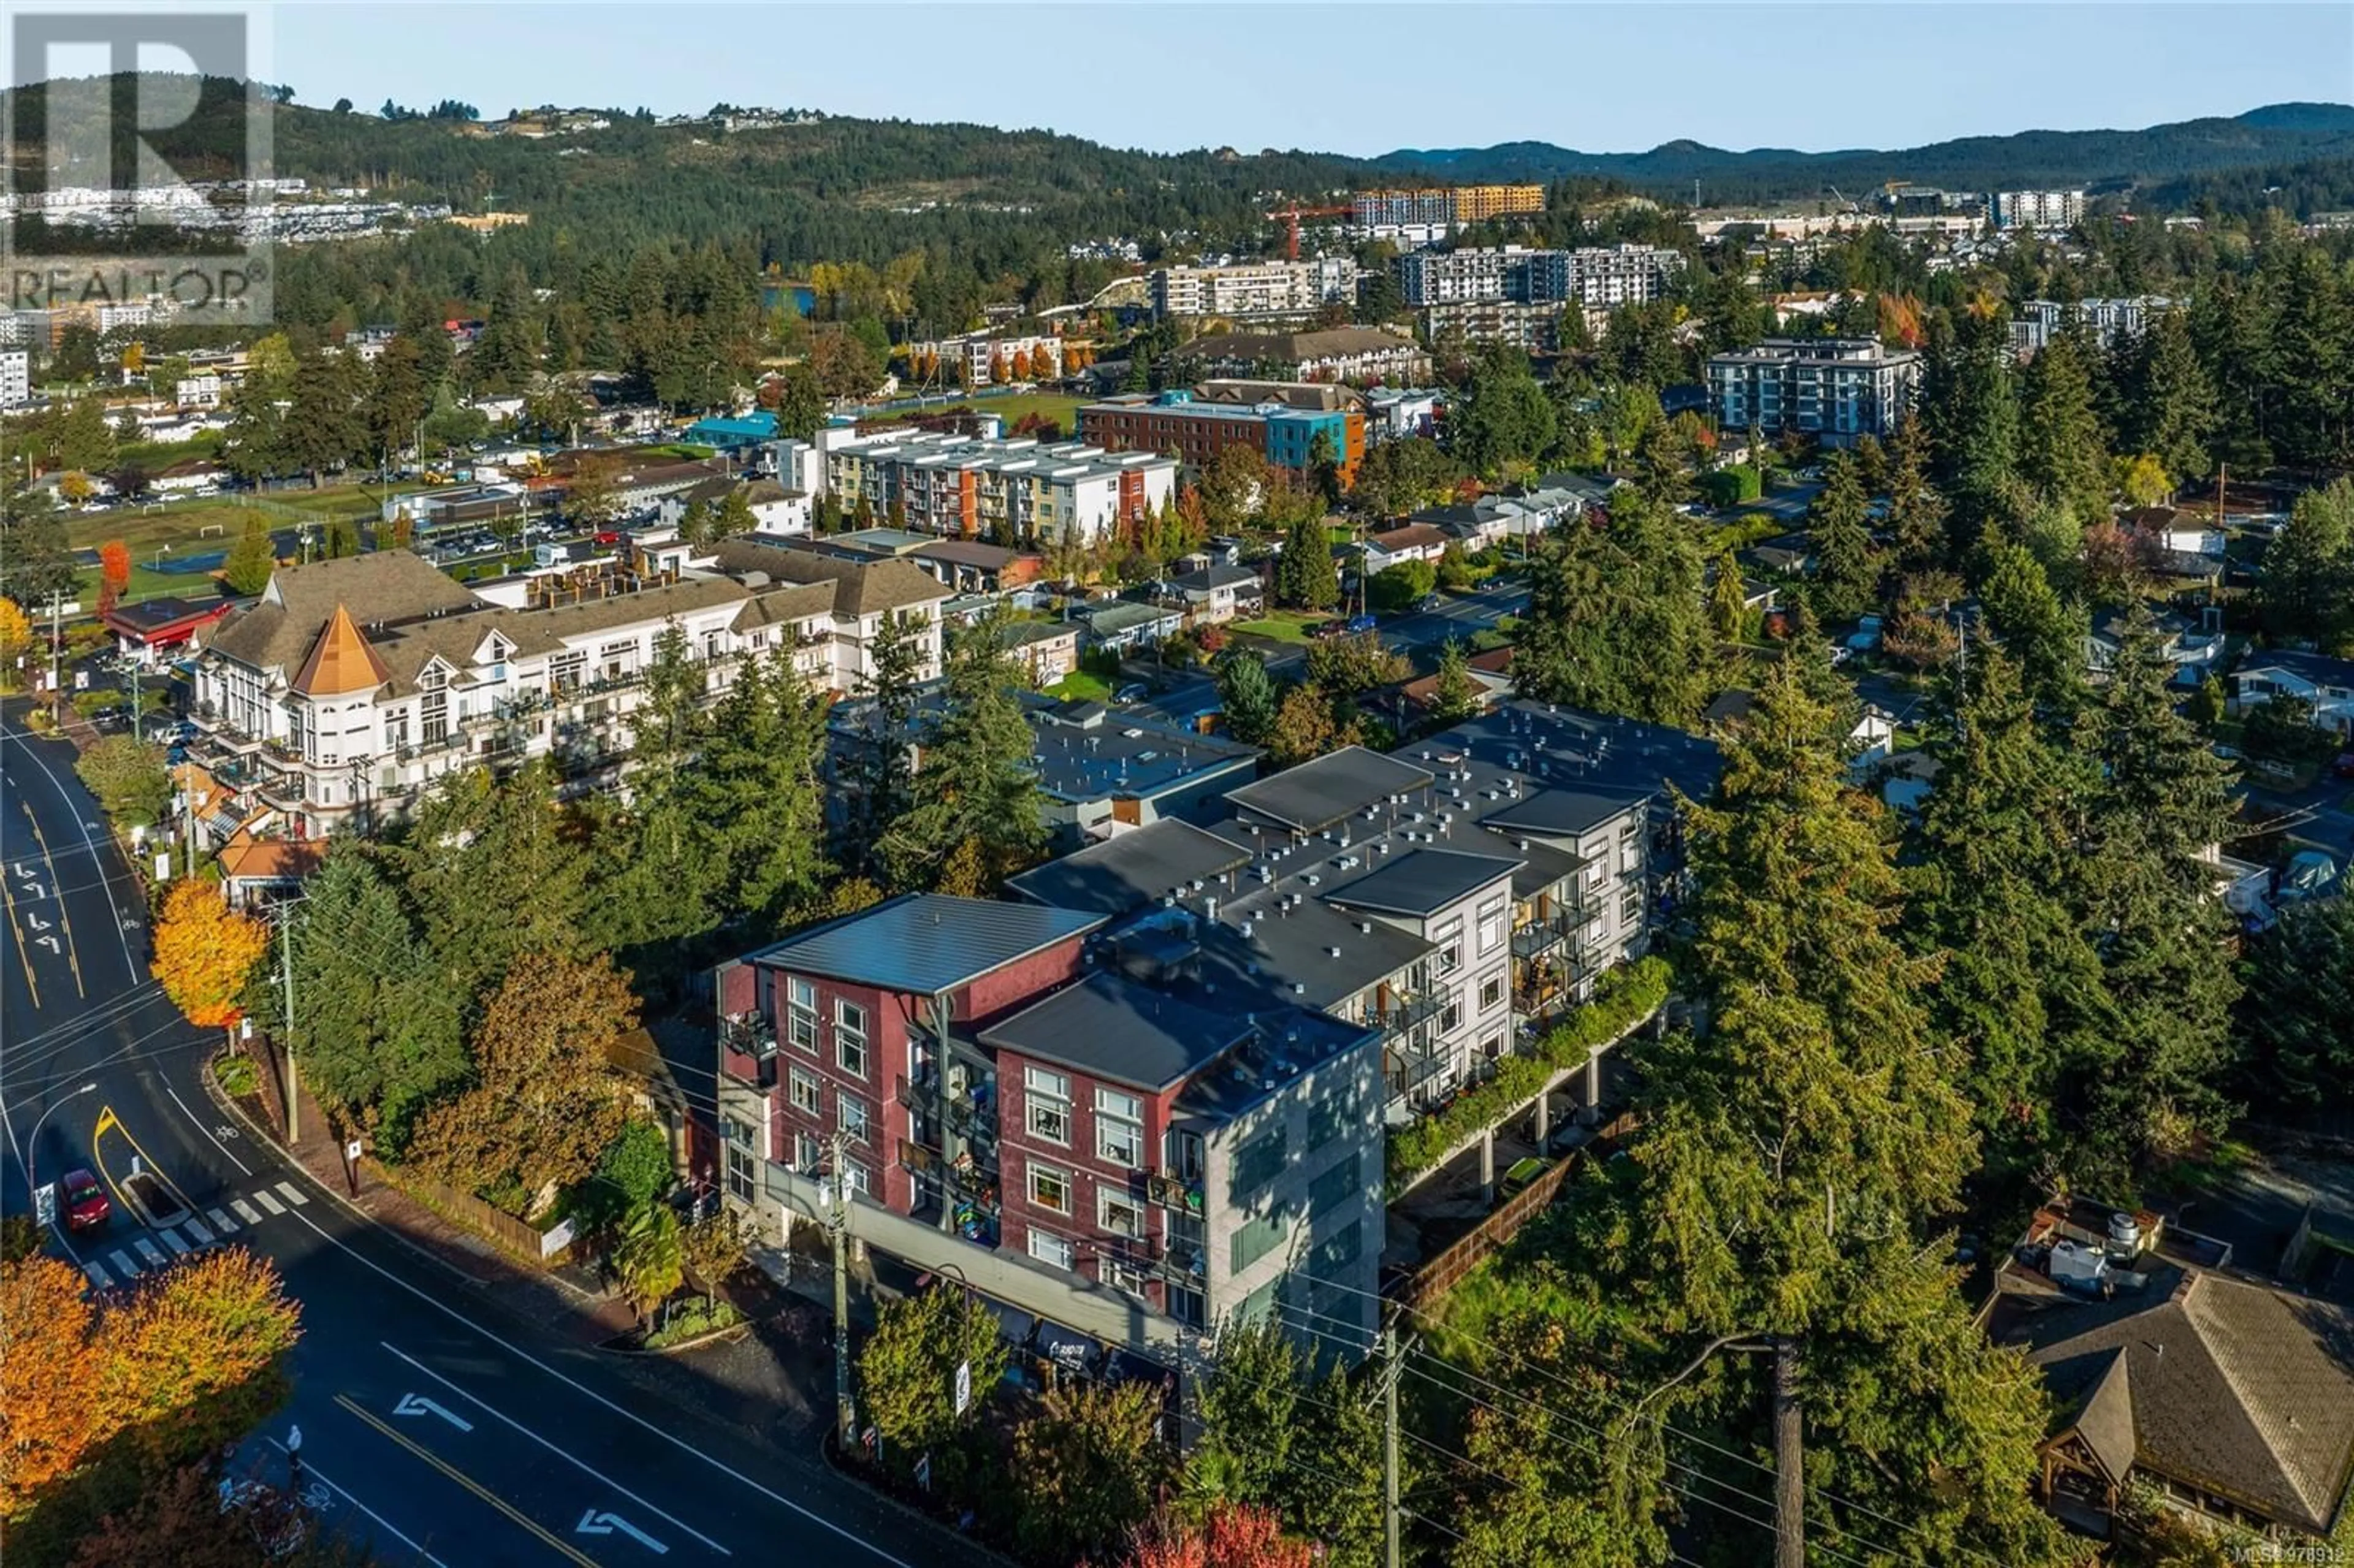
(2164,802)
(759,788)
(1455,697)
(1972,412)
(1847,568)
(2042,633)
(881,765)
(1790,1161)
(1916,513)
(494,869)
(2174,404)
(37,563)
(800,405)
(1246,695)
(1619,617)
(2063,455)
(2022,990)
(251,560)
(978,784)
(2309,570)
(2300,994)
(1305,575)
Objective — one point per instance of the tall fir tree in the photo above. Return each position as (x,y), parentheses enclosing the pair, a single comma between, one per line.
(977,789)
(2165,804)
(2063,453)
(1847,568)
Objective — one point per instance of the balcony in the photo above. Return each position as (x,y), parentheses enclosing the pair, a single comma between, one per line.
(1171,1191)
(1405,1010)
(1407,1074)
(967,1117)
(968,1181)
(748,1050)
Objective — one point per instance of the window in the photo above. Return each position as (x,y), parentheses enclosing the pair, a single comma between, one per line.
(850,1037)
(1450,1016)
(801,1014)
(1491,925)
(1325,1119)
(1050,1188)
(1049,1248)
(1337,1251)
(807,1153)
(1631,907)
(743,1177)
(1186,1306)
(1336,1186)
(851,1115)
(1047,1099)
(1256,1238)
(1119,1214)
(804,1091)
(1491,992)
(1119,1129)
(857,1174)
(1258,1162)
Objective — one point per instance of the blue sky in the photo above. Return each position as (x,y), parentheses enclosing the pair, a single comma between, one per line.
(1360,77)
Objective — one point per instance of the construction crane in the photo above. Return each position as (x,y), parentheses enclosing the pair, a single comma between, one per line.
(1293,214)
(1845,204)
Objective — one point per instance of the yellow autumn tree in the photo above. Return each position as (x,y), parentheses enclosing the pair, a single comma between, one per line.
(205,950)
(16,638)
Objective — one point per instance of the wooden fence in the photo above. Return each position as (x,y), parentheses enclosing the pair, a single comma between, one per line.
(1441,1272)
(518,1238)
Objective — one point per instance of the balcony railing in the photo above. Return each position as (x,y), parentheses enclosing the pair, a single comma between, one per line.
(1405,1071)
(1406,1011)
(967,1119)
(1172,1191)
(969,1180)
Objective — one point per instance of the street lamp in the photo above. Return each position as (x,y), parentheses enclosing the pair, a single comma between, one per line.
(33,1144)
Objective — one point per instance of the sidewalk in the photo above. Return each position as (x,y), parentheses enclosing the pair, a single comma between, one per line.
(773,1381)
(571,1301)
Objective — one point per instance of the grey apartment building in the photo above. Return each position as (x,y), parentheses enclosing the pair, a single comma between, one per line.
(1835,389)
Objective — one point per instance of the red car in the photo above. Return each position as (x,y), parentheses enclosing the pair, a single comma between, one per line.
(608,537)
(86,1204)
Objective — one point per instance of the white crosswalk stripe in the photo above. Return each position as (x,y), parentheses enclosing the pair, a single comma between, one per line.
(291,1194)
(221,1221)
(269,1202)
(97,1276)
(149,1251)
(123,1263)
(172,1239)
(245,1211)
(196,1229)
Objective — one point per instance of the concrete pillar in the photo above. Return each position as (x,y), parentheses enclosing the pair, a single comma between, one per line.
(1591,1113)
(1488,1166)
(1544,1116)
(784,1225)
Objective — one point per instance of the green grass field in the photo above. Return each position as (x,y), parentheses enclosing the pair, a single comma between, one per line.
(1081,687)
(1283,625)
(1056,405)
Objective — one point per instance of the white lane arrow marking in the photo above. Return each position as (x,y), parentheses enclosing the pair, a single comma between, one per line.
(417,1404)
(48,942)
(34,921)
(596,1522)
(35,890)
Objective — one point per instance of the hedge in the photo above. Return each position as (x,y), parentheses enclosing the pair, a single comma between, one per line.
(1622,999)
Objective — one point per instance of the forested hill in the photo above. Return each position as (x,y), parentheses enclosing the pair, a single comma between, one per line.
(2280,133)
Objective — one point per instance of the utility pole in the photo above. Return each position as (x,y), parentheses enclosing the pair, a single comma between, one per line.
(286,973)
(1391,1368)
(57,687)
(135,734)
(188,818)
(1789,1477)
(837,1225)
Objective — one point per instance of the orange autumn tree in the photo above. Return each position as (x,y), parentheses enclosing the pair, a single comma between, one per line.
(113,573)
(205,950)
(100,1404)
(49,1378)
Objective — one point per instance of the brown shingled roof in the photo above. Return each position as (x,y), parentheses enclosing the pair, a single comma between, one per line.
(388,586)
(861,588)
(341,662)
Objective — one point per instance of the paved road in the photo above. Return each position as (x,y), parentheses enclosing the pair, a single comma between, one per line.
(441,1432)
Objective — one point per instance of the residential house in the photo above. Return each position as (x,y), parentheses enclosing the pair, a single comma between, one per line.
(189,476)
(1215,595)
(1101,772)
(1394,412)
(1397,547)
(970,566)
(1072,1124)
(1046,650)
(154,631)
(2326,682)
(2229,1400)
(2194,650)
(776,513)
(1122,626)
(1491,682)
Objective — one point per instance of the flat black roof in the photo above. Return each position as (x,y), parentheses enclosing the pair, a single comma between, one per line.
(926,943)
(1108,1026)
(1133,869)
(1425,881)
(1323,790)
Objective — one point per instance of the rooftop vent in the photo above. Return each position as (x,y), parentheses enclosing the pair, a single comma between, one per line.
(1331,952)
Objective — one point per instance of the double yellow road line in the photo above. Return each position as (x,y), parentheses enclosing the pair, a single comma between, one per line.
(553,1541)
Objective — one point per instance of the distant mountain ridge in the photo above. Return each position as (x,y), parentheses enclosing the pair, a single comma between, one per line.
(2275,134)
